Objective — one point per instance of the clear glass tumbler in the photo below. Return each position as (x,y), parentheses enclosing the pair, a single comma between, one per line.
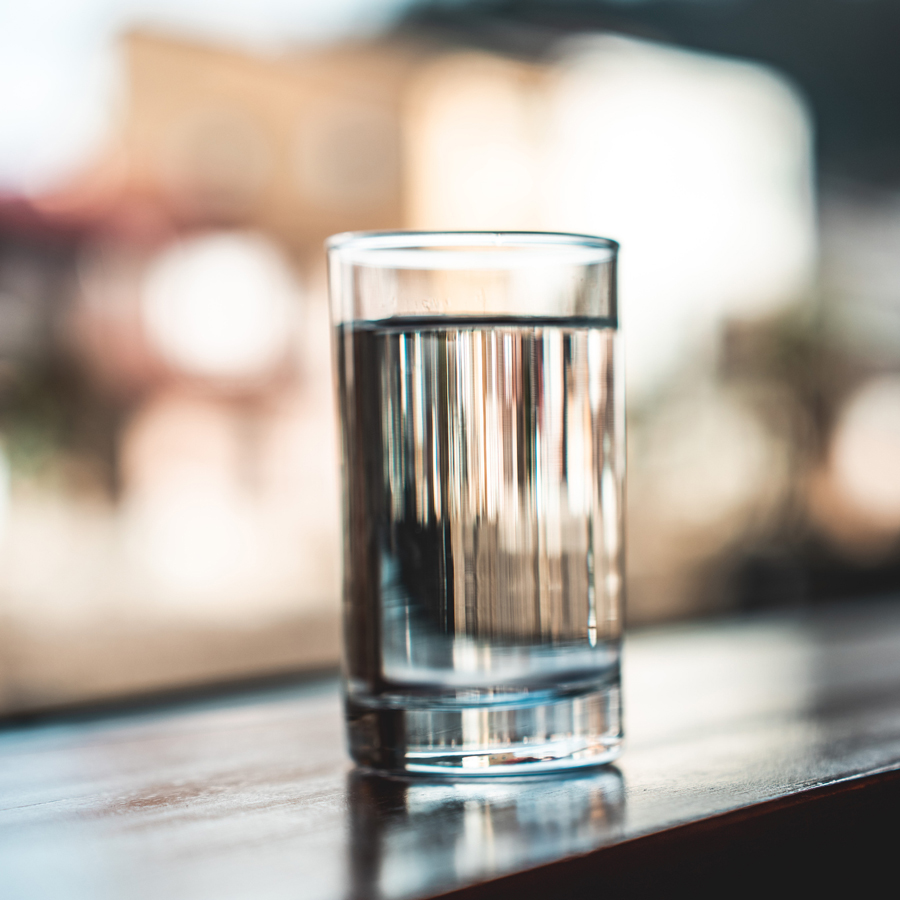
(482,425)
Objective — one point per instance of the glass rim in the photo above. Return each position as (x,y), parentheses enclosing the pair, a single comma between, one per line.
(401,249)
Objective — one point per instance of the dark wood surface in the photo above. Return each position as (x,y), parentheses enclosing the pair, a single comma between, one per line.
(749,741)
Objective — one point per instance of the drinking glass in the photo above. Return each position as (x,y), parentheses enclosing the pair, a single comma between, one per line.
(481,411)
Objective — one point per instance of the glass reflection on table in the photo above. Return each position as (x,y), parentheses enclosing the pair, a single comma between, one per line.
(408,836)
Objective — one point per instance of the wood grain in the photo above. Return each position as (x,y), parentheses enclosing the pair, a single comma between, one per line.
(742,736)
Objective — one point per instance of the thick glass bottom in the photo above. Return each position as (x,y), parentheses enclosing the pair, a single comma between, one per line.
(515,737)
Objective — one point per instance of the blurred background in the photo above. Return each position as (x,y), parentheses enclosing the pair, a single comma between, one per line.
(168,172)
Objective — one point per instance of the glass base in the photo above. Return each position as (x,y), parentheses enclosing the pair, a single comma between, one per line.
(515,737)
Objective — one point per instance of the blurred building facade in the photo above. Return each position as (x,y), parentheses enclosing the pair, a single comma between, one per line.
(168,477)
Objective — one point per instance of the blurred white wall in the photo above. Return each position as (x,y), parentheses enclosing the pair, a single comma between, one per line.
(700,166)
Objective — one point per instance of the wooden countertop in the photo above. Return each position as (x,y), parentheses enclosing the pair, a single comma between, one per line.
(749,743)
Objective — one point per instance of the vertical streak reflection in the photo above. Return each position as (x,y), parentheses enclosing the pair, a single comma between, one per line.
(501,487)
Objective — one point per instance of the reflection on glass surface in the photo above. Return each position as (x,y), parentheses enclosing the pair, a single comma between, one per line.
(410,836)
